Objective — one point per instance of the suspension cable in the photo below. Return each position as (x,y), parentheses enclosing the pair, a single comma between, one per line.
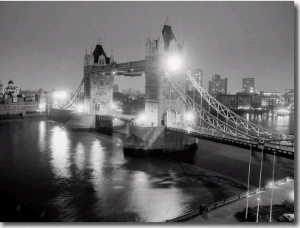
(233,117)
(205,115)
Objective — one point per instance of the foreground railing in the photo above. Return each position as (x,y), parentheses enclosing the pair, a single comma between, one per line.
(206,208)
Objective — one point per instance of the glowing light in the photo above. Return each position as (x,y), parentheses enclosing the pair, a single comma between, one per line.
(79,108)
(244,107)
(174,63)
(283,111)
(288,179)
(190,117)
(41,107)
(60,95)
(292,195)
(270,184)
(141,119)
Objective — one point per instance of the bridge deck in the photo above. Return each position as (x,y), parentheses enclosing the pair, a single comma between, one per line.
(213,135)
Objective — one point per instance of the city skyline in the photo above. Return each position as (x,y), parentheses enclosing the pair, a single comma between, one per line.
(147,112)
(47,49)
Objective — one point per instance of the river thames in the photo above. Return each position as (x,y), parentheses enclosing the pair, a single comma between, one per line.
(48,173)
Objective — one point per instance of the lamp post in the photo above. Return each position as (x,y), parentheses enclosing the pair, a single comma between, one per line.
(261,146)
(271,207)
(250,154)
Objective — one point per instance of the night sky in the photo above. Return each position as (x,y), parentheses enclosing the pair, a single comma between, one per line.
(42,44)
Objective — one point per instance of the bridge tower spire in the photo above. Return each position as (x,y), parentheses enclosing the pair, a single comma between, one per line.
(160,98)
(98,85)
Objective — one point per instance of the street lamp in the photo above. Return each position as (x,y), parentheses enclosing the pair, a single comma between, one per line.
(261,146)
(249,169)
(272,186)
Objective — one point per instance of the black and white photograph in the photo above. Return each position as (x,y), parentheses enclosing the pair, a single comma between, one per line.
(137,112)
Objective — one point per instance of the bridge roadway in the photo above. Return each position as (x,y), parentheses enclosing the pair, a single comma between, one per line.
(216,136)
(124,117)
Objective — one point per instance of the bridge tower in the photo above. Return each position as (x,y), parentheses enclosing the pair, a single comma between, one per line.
(162,102)
(98,82)
(161,99)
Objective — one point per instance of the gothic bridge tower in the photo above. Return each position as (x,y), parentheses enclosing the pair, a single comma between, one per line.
(98,82)
(161,99)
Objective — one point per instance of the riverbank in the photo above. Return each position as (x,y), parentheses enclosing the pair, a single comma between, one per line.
(18,117)
(226,214)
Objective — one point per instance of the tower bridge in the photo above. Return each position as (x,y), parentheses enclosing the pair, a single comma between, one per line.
(167,106)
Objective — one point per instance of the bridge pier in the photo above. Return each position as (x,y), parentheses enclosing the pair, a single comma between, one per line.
(59,115)
(104,124)
(147,141)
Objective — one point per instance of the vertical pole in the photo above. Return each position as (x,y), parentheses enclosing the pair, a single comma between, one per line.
(258,199)
(176,109)
(271,207)
(193,96)
(201,111)
(249,169)
(169,98)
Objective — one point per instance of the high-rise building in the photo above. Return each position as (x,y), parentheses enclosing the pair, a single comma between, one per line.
(217,85)
(1,87)
(248,85)
(197,74)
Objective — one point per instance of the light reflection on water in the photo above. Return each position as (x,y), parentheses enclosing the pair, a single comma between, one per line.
(42,136)
(89,179)
(79,156)
(60,151)
(280,124)
(97,159)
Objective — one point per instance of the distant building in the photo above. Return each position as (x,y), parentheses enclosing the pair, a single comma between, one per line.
(115,88)
(289,91)
(248,85)
(229,100)
(217,85)
(12,102)
(1,88)
(240,100)
(12,90)
(272,99)
(197,74)
(289,97)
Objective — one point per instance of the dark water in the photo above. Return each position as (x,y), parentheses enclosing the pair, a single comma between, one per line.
(48,173)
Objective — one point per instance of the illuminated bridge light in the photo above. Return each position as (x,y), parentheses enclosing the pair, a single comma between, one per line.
(60,95)
(174,63)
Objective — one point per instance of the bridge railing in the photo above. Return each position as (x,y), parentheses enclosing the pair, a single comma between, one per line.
(194,129)
(206,208)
